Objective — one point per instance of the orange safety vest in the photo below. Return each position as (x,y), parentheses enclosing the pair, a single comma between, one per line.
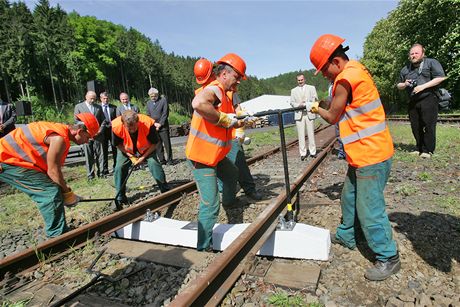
(207,143)
(144,125)
(25,146)
(363,129)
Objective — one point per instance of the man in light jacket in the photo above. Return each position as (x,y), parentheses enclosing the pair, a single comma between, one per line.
(304,120)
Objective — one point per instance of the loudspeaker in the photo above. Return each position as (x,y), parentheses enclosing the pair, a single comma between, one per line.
(95,86)
(23,108)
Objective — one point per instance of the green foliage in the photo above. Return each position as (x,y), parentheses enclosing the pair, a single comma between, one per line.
(21,303)
(285,300)
(283,83)
(434,24)
(425,176)
(177,119)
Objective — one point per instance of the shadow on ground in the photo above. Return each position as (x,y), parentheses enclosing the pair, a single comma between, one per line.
(434,236)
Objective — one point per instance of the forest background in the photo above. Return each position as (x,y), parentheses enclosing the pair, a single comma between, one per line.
(47,56)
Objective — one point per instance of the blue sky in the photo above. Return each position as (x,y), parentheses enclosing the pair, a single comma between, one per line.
(272,36)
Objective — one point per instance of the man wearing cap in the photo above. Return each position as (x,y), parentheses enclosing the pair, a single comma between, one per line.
(32,157)
(209,141)
(157,108)
(203,76)
(368,145)
(135,136)
(93,150)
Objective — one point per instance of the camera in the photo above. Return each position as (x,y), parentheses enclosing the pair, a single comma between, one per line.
(412,82)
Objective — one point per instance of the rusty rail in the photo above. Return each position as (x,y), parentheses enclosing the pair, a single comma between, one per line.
(209,288)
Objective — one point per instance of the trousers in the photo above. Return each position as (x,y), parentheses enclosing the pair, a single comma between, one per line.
(206,180)
(306,126)
(46,193)
(121,172)
(363,199)
(245,179)
(423,115)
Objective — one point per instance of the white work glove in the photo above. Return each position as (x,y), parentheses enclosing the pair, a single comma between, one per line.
(227,120)
(312,106)
(70,198)
(241,136)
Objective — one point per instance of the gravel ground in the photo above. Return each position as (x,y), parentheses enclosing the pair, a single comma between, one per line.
(421,208)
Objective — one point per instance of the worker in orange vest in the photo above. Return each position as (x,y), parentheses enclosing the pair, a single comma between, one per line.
(210,140)
(135,137)
(203,76)
(368,145)
(32,157)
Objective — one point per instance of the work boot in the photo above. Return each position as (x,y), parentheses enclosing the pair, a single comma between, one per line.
(383,269)
(337,241)
(254,195)
(164,187)
(120,202)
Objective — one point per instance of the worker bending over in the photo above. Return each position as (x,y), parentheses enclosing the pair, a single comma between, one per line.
(356,106)
(210,140)
(204,75)
(31,160)
(136,137)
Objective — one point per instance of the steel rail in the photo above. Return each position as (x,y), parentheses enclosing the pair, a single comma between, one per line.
(209,288)
(30,258)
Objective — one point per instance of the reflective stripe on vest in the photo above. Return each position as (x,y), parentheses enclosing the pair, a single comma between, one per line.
(25,146)
(207,137)
(207,143)
(364,133)
(363,129)
(367,131)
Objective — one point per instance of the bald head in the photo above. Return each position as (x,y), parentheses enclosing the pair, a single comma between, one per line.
(90,97)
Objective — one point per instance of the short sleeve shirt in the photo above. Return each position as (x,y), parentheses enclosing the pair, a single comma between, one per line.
(427,71)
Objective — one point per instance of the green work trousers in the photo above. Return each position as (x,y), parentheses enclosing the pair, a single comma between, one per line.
(46,193)
(363,198)
(245,179)
(122,168)
(206,180)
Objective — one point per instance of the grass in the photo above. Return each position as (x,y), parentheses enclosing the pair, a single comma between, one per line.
(438,175)
(18,211)
(21,303)
(283,299)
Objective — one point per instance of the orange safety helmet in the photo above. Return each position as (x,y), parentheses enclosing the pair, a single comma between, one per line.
(202,70)
(323,48)
(90,121)
(236,62)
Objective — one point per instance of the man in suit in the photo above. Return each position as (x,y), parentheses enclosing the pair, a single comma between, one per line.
(125,105)
(304,120)
(109,110)
(157,108)
(7,118)
(93,148)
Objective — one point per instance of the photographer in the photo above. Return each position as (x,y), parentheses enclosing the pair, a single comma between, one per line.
(420,78)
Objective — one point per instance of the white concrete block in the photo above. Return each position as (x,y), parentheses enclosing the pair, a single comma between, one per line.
(303,242)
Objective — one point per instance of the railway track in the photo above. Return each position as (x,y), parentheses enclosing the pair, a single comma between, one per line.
(441,118)
(28,259)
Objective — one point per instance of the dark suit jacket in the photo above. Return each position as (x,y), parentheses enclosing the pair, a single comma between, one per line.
(82,108)
(7,117)
(121,108)
(159,111)
(112,114)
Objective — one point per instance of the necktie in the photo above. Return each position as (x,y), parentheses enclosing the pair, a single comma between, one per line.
(106,113)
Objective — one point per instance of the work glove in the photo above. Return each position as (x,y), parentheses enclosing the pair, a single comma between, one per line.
(312,106)
(227,120)
(249,120)
(240,134)
(70,199)
(134,160)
